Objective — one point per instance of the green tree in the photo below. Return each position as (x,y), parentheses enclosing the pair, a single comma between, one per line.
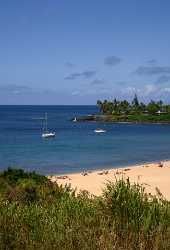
(99,104)
(135,102)
(152,107)
(124,106)
(105,106)
(142,107)
(160,105)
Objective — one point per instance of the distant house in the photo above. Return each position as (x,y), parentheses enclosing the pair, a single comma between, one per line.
(145,112)
(159,112)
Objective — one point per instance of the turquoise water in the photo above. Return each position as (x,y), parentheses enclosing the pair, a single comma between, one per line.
(76,147)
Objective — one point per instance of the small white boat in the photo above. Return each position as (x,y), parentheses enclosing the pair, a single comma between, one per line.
(75,119)
(46,133)
(99,130)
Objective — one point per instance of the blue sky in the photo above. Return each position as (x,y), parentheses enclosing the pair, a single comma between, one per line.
(75,52)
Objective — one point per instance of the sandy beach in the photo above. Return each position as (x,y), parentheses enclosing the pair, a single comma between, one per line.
(151,176)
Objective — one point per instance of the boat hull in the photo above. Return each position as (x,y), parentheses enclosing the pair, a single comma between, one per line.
(99,131)
(48,135)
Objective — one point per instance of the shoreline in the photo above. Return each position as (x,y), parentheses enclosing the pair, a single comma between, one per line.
(153,176)
(117,167)
(109,119)
(128,122)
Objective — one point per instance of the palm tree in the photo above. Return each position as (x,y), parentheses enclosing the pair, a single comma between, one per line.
(135,102)
(99,104)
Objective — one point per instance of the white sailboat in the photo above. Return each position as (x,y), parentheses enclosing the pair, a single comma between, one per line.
(46,133)
(75,119)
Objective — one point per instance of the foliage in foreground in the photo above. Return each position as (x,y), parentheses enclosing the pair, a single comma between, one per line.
(37,214)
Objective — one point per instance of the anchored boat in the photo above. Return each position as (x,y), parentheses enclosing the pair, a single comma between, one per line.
(99,130)
(46,133)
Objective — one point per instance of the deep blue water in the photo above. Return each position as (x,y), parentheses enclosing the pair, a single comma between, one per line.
(76,147)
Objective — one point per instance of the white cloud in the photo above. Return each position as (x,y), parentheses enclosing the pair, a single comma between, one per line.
(129,90)
(166,90)
(149,89)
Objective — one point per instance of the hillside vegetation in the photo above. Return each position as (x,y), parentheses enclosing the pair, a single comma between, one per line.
(135,111)
(37,214)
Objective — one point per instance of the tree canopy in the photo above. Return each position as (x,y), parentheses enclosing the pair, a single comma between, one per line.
(134,107)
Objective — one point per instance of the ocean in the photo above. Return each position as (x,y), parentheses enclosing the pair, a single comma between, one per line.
(76,147)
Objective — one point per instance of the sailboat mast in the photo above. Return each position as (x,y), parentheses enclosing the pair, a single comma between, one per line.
(46,122)
(46,133)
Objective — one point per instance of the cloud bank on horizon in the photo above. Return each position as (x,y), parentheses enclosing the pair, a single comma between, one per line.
(76,53)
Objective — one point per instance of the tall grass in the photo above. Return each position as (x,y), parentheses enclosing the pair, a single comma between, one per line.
(37,214)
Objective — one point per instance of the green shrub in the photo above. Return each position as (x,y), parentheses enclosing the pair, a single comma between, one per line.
(13,176)
(43,215)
